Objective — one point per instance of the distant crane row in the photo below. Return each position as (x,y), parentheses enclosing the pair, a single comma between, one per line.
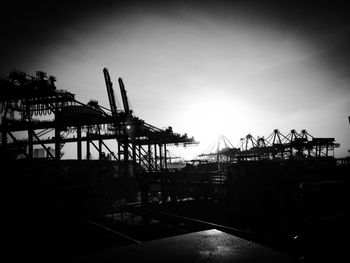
(294,145)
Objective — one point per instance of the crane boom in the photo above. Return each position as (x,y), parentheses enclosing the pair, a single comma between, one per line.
(124,97)
(110,92)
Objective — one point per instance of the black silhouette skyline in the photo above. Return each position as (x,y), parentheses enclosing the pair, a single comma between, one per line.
(244,66)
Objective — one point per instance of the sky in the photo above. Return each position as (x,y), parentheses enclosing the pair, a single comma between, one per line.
(206,68)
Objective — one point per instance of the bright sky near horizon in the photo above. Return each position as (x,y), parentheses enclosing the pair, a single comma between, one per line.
(206,70)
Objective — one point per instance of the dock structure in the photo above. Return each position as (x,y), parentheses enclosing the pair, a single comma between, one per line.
(266,190)
(276,146)
(38,120)
(33,107)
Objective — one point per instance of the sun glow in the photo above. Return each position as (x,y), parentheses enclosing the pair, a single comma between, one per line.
(212,115)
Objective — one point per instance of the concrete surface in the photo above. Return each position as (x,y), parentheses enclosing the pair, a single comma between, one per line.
(205,246)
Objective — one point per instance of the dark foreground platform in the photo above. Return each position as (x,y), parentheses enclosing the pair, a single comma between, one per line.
(205,246)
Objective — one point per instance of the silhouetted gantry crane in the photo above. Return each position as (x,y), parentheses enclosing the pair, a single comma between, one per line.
(28,104)
(294,145)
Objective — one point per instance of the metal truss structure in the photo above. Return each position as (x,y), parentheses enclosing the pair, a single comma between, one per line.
(294,145)
(32,108)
